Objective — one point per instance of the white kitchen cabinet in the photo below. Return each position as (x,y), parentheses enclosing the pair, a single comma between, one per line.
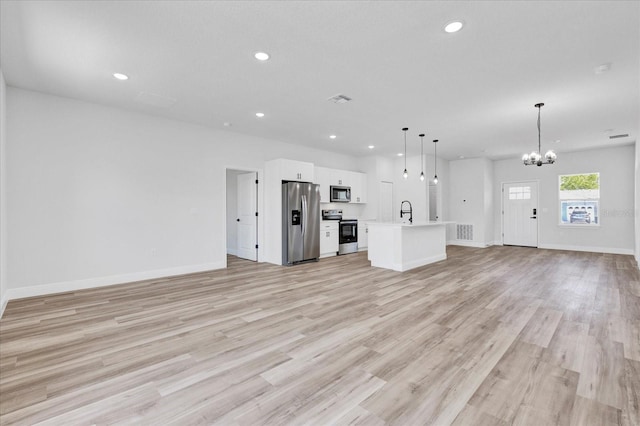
(328,238)
(326,178)
(292,170)
(323,178)
(363,235)
(341,177)
(358,187)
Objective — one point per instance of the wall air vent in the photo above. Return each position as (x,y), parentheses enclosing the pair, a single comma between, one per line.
(464,232)
(626,135)
(339,99)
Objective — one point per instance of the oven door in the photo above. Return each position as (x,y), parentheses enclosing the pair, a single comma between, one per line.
(348,232)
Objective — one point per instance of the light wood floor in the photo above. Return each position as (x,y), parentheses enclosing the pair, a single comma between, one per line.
(495,336)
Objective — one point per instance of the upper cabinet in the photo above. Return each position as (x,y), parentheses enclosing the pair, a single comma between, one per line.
(292,170)
(341,177)
(326,177)
(358,187)
(323,178)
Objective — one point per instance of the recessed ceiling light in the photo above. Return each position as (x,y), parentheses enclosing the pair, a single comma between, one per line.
(260,114)
(332,136)
(120,76)
(227,124)
(399,154)
(261,56)
(371,146)
(461,157)
(453,27)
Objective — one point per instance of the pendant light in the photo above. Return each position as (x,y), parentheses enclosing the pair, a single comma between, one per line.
(435,161)
(405,174)
(535,158)
(422,156)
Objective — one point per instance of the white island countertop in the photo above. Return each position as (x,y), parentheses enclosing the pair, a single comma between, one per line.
(407,224)
(402,246)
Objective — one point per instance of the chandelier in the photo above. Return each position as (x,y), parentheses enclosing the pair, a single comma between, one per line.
(534,158)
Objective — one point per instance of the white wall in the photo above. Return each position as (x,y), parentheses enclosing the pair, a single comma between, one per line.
(232,211)
(101,195)
(488,202)
(616,168)
(3,196)
(471,198)
(412,189)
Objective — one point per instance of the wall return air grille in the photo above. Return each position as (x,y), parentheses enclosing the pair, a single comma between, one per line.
(464,232)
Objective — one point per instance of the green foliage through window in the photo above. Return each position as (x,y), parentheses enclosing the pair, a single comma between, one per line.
(577,182)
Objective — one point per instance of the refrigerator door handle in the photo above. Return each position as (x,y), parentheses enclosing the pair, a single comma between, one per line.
(304,214)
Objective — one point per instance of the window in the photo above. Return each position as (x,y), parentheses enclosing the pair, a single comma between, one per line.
(580,199)
(520,193)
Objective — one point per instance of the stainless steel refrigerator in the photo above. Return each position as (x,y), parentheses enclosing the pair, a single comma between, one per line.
(300,222)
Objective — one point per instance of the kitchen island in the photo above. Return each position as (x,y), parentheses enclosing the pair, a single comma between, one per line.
(404,246)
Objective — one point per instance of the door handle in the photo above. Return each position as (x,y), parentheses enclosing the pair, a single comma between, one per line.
(533,217)
(304,215)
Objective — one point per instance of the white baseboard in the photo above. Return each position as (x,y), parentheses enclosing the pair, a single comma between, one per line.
(607,250)
(232,251)
(406,266)
(332,254)
(64,286)
(467,243)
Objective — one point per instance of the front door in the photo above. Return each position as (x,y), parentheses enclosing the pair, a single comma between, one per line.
(520,214)
(247,220)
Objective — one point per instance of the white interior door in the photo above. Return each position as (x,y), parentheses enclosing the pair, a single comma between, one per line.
(520,214)
(247,221)
(386,201)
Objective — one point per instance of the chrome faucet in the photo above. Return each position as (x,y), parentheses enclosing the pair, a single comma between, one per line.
(403,212)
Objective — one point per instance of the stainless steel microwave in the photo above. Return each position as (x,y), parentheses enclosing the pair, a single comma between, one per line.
(340,194)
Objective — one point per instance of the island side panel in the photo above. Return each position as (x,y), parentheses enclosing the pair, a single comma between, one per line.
(384,247)
(403,247)
(422,246)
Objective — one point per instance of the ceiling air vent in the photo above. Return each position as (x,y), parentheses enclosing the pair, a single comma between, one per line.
(619,136)
(339,99)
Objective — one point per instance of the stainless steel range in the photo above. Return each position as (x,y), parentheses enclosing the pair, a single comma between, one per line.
(347,231)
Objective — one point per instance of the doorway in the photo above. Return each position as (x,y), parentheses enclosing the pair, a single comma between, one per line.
(520,214)
(433,202)
(242,214)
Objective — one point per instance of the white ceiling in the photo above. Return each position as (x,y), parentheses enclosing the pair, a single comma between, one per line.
(474,90)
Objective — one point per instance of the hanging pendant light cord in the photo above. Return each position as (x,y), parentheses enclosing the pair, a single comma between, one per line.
(539,146)
(435,159)
(405,150)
